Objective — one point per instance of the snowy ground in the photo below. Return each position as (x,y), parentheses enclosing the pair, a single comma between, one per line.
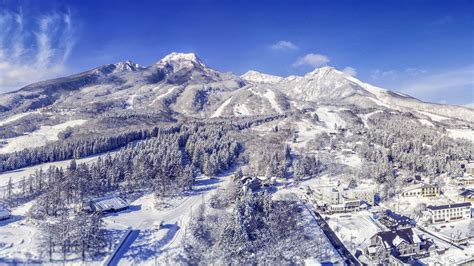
(434,117)
(15,117)
(354,229)
(153,244)
(454,230)
(461,134)
(330,117)
(221,108)
(18,237)
(39,137)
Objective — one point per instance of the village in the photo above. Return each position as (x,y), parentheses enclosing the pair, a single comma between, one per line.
(425,224)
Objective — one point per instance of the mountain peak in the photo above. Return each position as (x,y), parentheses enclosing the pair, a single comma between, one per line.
(181,60)
(324,71)
(257,77)
(124,66)
(127,66)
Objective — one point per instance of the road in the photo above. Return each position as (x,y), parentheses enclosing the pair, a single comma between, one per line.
(438,237)
(122,248)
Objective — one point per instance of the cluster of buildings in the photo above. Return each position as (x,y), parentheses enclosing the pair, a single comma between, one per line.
(338,199)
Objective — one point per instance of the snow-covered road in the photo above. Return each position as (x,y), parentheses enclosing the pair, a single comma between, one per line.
(143,216)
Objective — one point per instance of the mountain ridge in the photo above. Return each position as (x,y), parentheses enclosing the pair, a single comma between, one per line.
(203,90)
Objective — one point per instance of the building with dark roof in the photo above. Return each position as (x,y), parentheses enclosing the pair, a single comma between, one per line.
(402,244)
(449,212)
(467,195)
(395,220)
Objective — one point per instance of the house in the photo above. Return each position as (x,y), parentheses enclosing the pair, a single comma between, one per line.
(449,212)
(252,183)
(108,204)
(401,244)
(422,190)
(395,221)
(467,195)
(4,214)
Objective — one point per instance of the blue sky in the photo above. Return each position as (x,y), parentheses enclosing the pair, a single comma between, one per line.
(422,48)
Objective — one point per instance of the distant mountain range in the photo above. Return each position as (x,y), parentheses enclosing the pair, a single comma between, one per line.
(181,84)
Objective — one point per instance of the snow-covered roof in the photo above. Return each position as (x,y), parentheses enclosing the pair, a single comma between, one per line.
(468,193)
(391,239)
(109,203)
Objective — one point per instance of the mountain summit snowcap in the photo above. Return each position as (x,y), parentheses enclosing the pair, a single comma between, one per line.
(181,60)
(325,71)
(127,66)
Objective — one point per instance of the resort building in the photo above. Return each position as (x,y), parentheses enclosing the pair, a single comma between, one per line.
(450,212)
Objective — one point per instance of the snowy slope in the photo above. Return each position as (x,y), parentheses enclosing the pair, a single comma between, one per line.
(257,77)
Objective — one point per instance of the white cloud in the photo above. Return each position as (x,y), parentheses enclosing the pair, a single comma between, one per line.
(312,60)
(33,49)
(350,71)
(283,46)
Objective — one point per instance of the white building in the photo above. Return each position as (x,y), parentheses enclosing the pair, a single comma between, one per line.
(422,190)
(450,212)
(337,199)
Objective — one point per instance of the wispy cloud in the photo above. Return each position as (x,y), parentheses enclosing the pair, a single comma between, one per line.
(312,60)
(377,73)
(413,71)
(350,71)
(443,81)
(283,46)
(33,48)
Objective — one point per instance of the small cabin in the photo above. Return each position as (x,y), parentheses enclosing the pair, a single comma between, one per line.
(108,204)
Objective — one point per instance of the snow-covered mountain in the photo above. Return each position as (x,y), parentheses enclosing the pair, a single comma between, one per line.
(257,77)
(182,84)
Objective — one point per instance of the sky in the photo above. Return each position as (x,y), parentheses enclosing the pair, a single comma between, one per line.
(421,48)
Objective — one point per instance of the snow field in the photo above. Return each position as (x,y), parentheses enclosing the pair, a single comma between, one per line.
(39,137)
